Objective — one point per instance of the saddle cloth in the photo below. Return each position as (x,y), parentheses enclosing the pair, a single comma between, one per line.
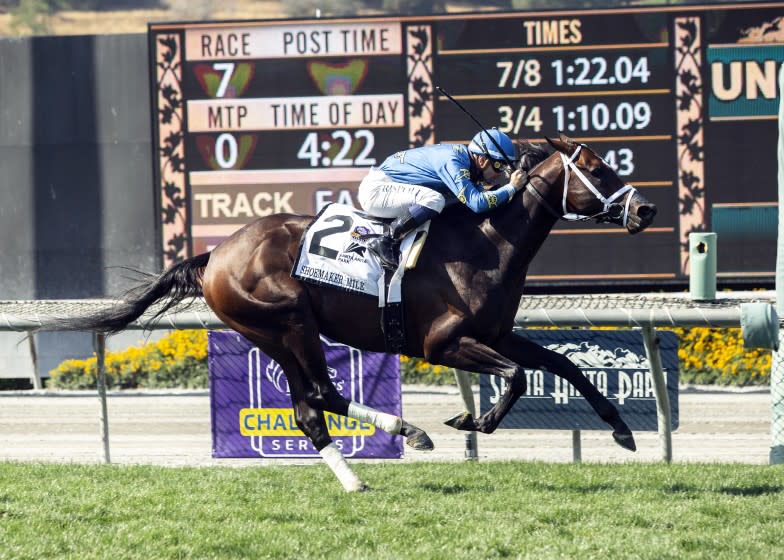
(333,252)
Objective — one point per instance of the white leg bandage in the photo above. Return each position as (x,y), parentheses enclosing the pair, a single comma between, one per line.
(387,422)
(334,458)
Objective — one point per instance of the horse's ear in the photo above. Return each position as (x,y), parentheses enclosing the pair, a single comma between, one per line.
(565,139)
(562,144)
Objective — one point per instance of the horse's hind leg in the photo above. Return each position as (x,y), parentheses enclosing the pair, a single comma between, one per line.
(531,355)
(416,438)
(311,421)
(322,394)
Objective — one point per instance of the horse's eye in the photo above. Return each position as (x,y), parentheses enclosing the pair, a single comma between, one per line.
(597,171)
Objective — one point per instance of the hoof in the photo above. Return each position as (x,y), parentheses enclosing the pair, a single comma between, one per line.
(625,440)
(462,421)
(357,487)
(420,441)
(416,438)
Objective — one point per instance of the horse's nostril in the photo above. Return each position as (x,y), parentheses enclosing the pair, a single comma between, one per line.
(646,211)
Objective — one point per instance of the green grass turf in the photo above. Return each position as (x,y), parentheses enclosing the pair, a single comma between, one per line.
(421,510)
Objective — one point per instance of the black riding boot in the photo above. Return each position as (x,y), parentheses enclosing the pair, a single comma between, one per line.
(387,247)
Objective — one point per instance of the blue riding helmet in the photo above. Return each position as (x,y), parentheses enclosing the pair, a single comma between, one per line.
(482,145)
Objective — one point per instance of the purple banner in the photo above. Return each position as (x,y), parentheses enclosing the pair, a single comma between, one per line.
(251,407)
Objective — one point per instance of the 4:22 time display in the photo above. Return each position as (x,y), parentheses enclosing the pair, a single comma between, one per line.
(333,149)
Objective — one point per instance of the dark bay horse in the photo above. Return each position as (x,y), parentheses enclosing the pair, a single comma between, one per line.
(459,302)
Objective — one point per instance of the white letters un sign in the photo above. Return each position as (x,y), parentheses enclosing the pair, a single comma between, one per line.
(614,361)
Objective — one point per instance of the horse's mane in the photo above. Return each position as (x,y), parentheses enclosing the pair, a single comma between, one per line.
(531,154)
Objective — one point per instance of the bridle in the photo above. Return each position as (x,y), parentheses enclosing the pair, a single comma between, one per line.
(612,210)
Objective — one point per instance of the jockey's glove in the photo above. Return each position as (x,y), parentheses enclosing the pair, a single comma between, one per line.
(518,179)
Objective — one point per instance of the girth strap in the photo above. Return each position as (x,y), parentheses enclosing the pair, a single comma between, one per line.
(392,320)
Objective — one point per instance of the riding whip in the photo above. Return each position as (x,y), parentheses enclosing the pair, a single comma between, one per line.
(480,125)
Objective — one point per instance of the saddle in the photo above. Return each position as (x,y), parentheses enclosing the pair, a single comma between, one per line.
(333,252)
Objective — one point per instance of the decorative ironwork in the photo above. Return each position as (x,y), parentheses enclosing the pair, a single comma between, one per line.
(419,48)
(690,126)
(171,149)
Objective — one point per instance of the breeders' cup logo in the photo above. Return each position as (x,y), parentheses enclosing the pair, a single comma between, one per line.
(361,232)
(278,379)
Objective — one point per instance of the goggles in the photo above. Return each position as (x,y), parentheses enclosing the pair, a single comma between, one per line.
(502,167)
(498,165)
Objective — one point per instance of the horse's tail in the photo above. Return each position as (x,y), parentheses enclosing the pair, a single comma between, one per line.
(177,283)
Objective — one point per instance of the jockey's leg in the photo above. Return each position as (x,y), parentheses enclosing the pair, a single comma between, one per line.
(410,205)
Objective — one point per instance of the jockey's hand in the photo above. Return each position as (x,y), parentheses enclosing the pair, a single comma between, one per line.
(518,179)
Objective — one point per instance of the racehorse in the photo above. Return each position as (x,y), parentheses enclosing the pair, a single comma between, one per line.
(459,302)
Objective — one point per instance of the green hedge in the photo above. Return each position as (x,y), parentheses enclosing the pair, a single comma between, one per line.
(178,360)
(707,356)
(717,357)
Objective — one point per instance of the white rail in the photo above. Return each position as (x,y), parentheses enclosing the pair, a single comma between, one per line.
(643,311)
(622,310)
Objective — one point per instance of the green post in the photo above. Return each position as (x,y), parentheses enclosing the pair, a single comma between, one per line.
(702,266)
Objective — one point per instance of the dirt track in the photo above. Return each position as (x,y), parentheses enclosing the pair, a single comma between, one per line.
(174,429)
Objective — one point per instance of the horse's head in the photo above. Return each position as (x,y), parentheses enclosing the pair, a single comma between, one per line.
(592,189)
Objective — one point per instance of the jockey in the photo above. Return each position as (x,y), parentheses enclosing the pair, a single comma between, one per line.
(411,185)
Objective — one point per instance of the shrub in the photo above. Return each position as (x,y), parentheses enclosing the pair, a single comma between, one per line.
(416,370)
(179,360)
(717,357)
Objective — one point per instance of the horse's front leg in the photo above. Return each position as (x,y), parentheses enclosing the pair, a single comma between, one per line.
(532,356)
(471,355)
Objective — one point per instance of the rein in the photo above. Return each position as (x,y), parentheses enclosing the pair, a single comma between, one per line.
(612,210)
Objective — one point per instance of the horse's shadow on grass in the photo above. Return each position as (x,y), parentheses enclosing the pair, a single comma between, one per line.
(589,488)
(759,490)
(746,491)
(445,489)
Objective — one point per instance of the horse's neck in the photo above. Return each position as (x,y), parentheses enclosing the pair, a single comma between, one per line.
(517,233)
(547,178)
(528,217)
